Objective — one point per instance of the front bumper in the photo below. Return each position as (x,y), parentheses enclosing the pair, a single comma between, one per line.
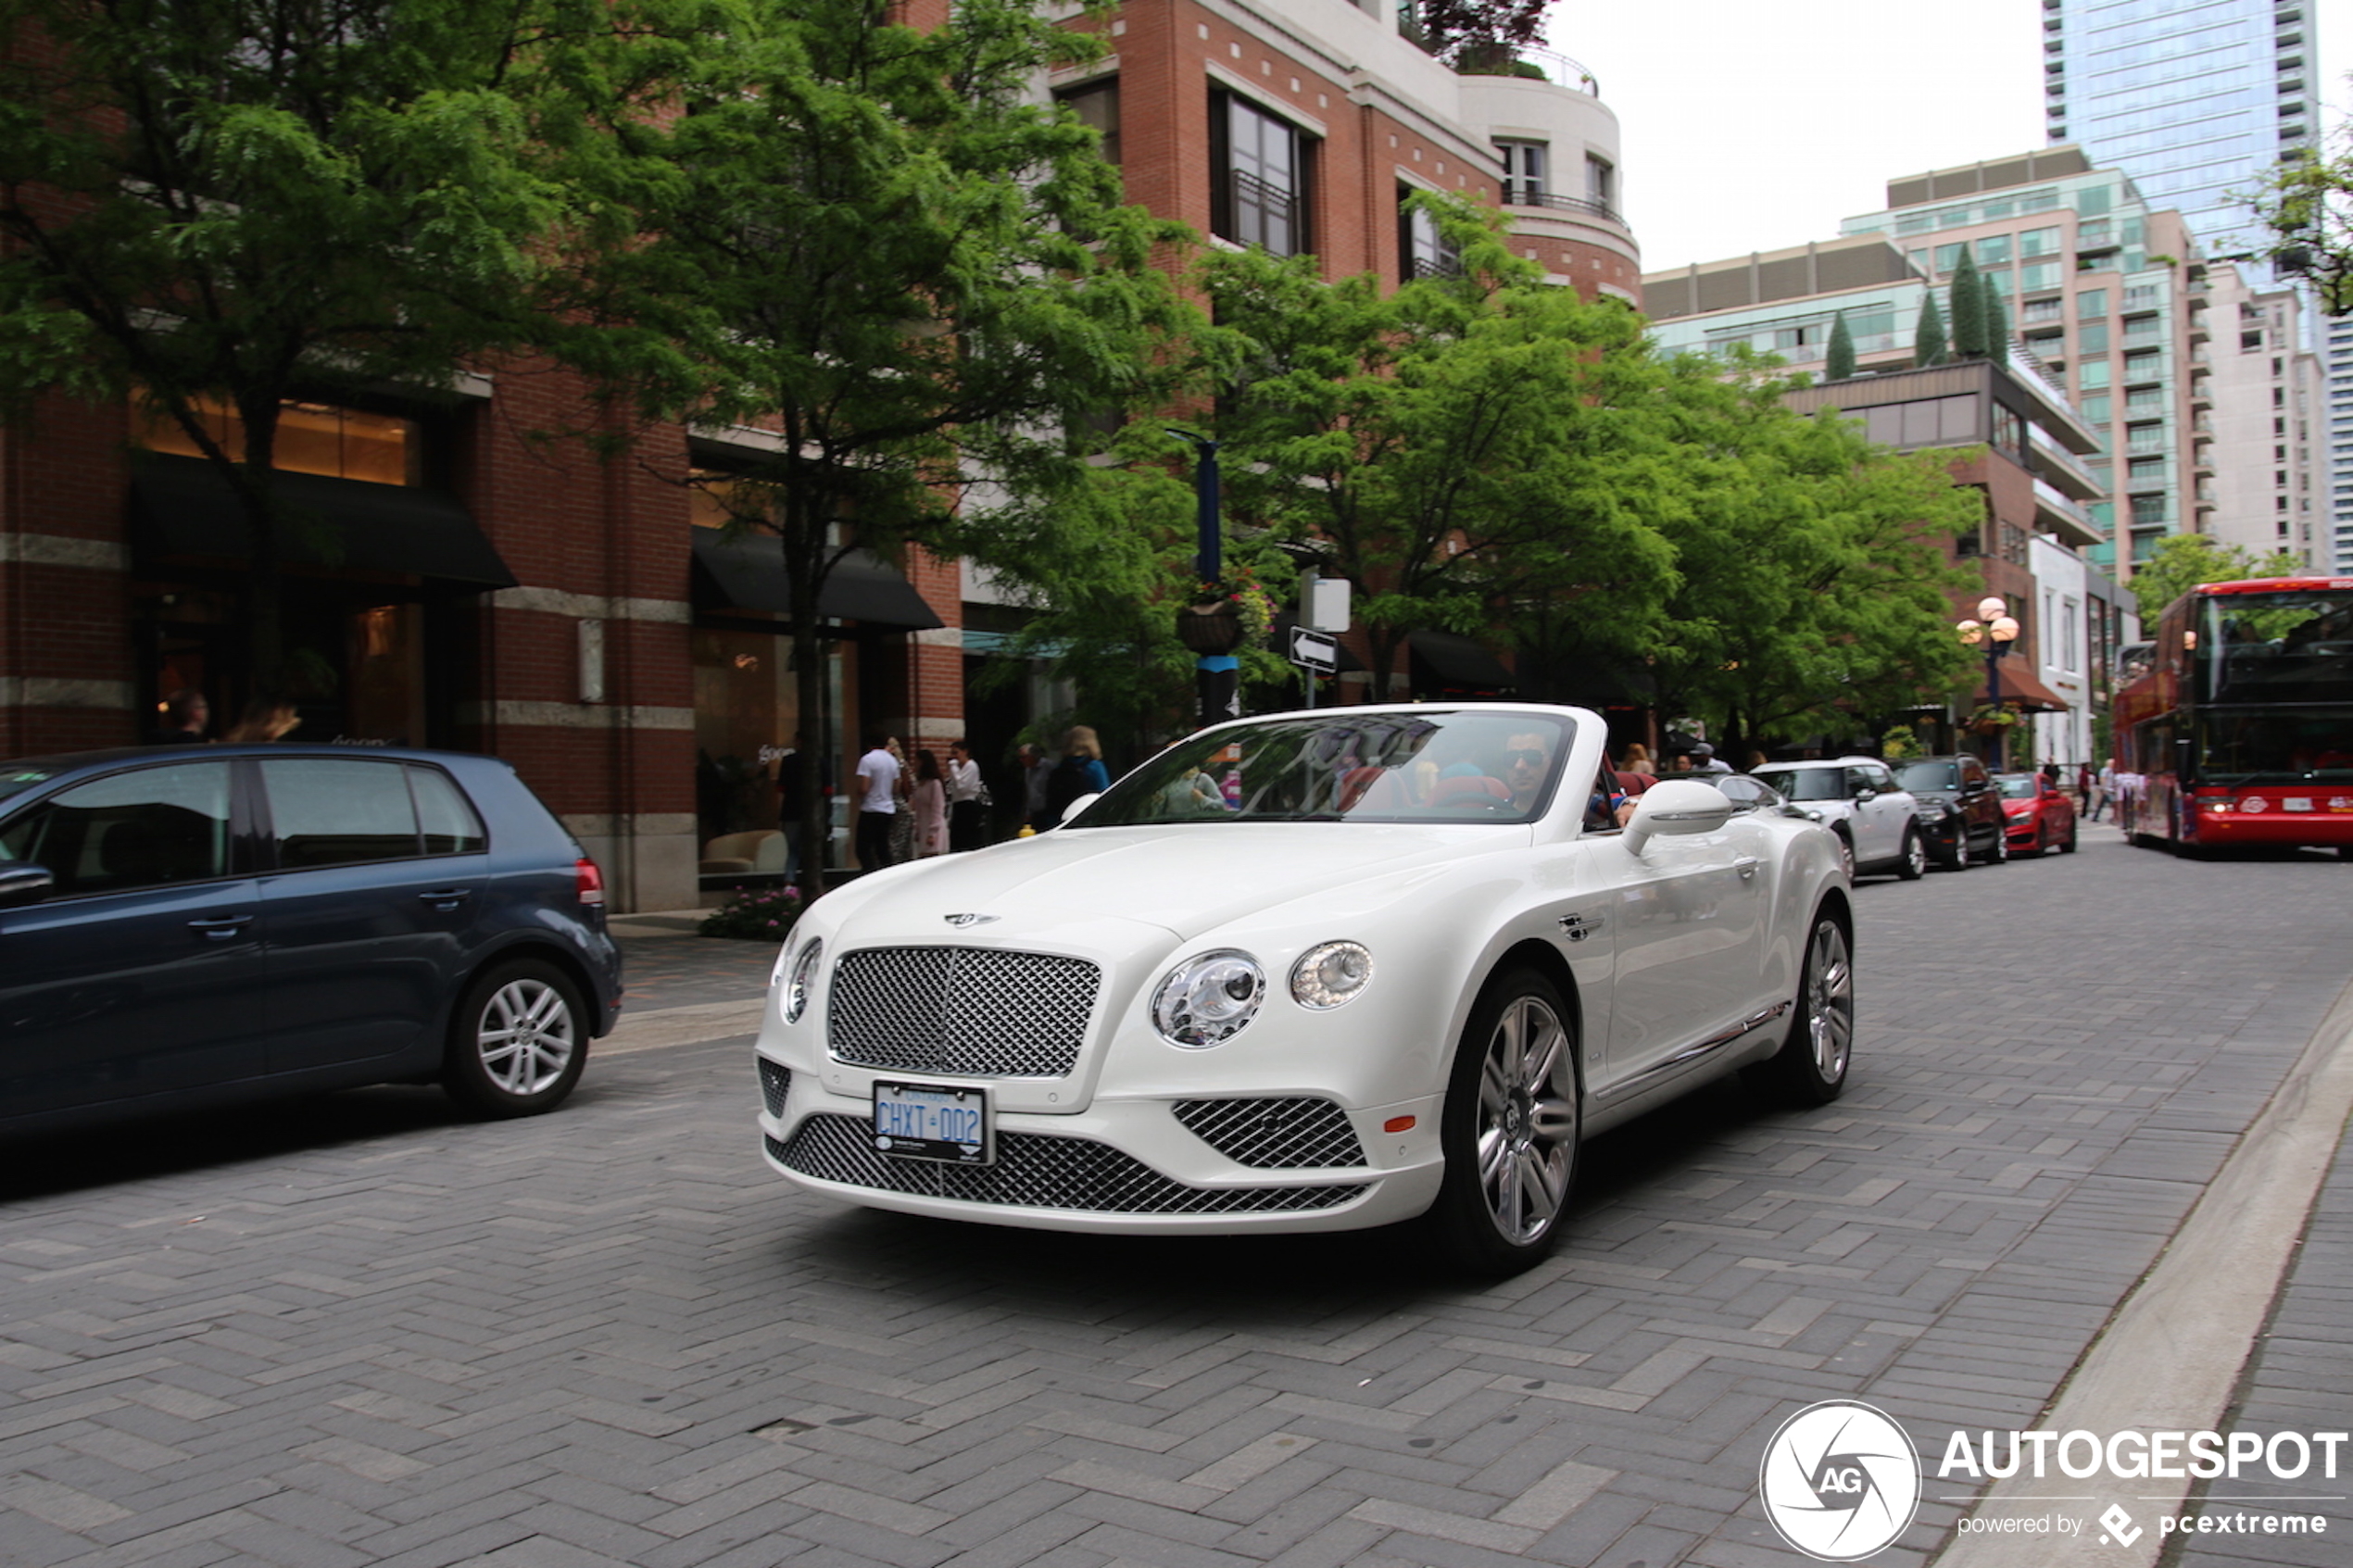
(1125,1166)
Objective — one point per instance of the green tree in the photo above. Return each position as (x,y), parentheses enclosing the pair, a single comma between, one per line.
(1997,321)
(2182,562)
(1811,577)
(1967,292)
(1928,338)
(243,203)
(2307,202)
(1839,361)
(872,242)
(1464,445)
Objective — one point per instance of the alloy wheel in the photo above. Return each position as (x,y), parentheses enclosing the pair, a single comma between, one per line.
(1829,1001)
(526,1036)
(1527,1130)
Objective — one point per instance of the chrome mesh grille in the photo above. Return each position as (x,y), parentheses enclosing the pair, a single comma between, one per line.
(1275,1134)
(1035,1171)
(774,1082)
(977,1012)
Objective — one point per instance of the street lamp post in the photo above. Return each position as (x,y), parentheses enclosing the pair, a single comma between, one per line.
(1996,630)
(1217,676)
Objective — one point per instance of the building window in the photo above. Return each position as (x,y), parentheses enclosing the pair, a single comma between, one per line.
(2091,337)
(1993,249)
(1600,183)
(1422,251)
(2039,242)
(1097,104)
(1524,177)
(321,438)
(1260,195)
(2091,302)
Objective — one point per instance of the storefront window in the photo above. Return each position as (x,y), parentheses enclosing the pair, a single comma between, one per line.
(321,438)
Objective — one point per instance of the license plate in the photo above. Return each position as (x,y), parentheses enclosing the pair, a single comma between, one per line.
(932,1122)
(2296,803)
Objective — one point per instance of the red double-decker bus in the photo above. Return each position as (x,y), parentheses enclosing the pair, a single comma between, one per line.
(2239,729)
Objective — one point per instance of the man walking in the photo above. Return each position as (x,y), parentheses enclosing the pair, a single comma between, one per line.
(967,828)
(878,790)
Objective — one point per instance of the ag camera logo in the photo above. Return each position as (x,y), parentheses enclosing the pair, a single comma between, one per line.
(1839,1481)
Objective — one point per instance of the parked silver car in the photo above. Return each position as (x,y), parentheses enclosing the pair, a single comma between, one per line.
(1858,796)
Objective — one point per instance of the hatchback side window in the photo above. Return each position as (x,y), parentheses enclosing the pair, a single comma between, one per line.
(332,812)
(140,829)
(449,823)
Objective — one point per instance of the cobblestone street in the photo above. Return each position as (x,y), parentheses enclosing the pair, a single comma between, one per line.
(361,1331)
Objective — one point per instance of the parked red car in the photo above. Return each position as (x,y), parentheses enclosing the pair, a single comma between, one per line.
(2040,815)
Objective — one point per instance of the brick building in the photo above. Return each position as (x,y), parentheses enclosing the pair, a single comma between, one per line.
(471,584)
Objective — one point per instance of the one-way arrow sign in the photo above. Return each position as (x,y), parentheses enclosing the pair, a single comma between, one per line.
(1314,650)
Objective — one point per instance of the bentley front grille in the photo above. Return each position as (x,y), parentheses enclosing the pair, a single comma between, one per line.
(1033,1171)
(975,1012)
(1275,1134)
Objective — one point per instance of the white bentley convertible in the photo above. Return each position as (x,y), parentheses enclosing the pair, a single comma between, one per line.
(1312,971)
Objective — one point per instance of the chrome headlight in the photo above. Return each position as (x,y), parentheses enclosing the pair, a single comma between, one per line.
(803,984)
(1207,1000)
(1330,974)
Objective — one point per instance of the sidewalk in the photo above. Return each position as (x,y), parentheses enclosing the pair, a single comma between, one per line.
(681,988)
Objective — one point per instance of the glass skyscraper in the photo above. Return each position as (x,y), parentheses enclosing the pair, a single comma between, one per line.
(2193,99)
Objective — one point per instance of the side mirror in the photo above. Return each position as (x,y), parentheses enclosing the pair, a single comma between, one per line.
(1865,797)
(1077,806)
(1675,808)
(24,885)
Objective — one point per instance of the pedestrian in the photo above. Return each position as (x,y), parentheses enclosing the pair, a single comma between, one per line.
(1080,774)
(186,715)
(1704,760)
(2051,775)
(903,822)
(2103,788)
(264,718)
(876,791)
(1637,759)
(1036,768)
(2084,785)
(929,799)
(792,799)
(967,798)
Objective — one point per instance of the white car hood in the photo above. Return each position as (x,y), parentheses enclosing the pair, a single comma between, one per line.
(1183,880)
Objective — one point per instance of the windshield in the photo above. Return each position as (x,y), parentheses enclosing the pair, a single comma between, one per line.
(1928,775)
(2289,647)
(1808,783)
(1419,767)
(18,777)
(2016,786)
(2276,746)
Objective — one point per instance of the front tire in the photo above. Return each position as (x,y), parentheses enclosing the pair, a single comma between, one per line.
(2068,848)
(1510,1130)
(517,1042)
(1846,856)
(1810,1068)
(1958,860)
(1912,865)
(2001,853)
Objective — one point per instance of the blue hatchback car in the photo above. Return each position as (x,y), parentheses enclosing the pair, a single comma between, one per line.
(184,926)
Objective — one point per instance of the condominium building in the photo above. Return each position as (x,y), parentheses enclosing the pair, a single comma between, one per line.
(2340,438)
(2192,98)
(2106,291)
(2270,424)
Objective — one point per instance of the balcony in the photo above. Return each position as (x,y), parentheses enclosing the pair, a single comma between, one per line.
(2061,517)
(2058,466)
(1521,196)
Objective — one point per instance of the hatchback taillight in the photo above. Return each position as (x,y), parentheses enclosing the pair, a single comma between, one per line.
(589,882)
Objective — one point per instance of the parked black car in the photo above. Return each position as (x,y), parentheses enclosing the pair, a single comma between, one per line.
(184,926)
(1960,812)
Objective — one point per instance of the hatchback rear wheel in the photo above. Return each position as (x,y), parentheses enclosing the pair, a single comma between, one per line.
(518,1040)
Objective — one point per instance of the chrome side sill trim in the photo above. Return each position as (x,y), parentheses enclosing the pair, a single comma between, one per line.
(1694,1051)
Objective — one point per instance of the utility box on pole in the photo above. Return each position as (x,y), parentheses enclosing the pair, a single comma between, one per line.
(1323,603)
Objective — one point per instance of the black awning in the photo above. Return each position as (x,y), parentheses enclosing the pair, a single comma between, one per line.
(1450,663)
(747,573)
(184,507)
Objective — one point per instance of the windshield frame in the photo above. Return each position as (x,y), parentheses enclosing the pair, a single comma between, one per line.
(1320,760)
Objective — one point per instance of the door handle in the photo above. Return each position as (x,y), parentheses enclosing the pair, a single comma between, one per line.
(445,897)
(1579,927)
(221,927)
(1746,866)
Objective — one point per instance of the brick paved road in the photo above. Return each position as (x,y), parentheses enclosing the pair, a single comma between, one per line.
(358,1332)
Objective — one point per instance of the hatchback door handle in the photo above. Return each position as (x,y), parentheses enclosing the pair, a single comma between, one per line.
(445,897)
(222,927)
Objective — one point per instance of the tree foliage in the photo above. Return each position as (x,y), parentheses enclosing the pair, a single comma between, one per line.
(870,243)
(1997,320)
(1928,338)
(1967,290)
(1838,361)
(2182,562)
(1475,25)
(2307,202)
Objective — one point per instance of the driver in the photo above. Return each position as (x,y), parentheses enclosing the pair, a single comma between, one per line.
(1528,761)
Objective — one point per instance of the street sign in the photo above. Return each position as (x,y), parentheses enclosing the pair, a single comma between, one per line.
(1314,650)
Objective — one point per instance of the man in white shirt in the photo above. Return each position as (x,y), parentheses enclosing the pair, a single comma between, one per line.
(877,793)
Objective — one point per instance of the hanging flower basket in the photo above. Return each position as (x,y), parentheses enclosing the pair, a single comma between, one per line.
(1210,628)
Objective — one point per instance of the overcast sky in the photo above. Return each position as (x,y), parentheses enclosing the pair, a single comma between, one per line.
(1754,124)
